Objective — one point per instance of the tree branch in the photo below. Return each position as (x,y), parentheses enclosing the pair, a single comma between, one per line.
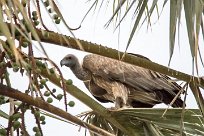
(10,92)
(67,41)
(198,96)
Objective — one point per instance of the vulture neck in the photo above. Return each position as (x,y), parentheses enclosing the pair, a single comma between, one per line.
(79,72)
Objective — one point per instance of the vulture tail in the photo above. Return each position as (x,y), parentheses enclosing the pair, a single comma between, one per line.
(167,98)
(178,103)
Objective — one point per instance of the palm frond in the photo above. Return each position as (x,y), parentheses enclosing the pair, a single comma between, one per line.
(151,121)
(4,115)
(175,8)
(193,16)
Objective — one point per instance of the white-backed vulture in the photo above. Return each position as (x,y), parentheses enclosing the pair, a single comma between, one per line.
(111,80)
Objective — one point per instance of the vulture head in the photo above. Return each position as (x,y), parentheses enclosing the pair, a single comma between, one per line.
(69,60)
(72,62)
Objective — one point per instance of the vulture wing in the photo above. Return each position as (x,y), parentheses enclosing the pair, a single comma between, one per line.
(133,76)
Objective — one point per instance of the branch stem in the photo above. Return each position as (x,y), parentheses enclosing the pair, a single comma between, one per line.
(10,92)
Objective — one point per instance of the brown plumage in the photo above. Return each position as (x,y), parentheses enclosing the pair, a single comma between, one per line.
(111,80)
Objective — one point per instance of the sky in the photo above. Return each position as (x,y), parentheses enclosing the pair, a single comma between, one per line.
(151,42)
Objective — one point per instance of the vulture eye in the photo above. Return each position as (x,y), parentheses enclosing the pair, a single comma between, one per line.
(69,57)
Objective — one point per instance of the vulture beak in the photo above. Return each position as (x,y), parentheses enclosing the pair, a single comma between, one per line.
(62,62)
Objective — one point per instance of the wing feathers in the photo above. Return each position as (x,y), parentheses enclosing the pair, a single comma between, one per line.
(145,86)
(128,74)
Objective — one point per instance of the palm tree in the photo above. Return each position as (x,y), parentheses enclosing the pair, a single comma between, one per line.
(22,23)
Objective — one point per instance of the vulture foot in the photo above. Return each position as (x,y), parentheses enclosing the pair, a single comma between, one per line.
(119,103)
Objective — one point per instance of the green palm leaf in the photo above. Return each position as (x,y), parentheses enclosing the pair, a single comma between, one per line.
(4,115)
(151,121)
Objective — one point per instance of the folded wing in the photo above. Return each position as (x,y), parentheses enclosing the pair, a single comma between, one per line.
(134,77)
